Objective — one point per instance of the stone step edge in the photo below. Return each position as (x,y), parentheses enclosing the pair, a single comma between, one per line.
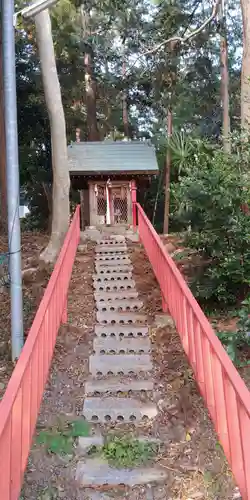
(115,409)
(127,345)
(94,472)
(120,364)
(115,385)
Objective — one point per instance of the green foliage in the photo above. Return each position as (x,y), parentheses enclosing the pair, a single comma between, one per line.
(181,149)
(56,442)
(234,341)
(61,440)
(128,452)
(79,428)
(244,317)
(34,221)
(210,198)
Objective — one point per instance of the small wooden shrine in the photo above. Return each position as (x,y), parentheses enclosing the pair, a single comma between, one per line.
(107,174)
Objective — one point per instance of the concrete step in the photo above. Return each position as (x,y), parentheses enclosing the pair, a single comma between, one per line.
(114,409)
(111,248)
(112,241)
(120,331)
(122,318)
(117,494)
(114,230)
(121,268)
(119,276)
(113,296)
(112,345)
(95,472)
(108,286)
(112,237)
(121,305)
(113,255)
(119,364)
(111,273)
(117,385)
(112,260)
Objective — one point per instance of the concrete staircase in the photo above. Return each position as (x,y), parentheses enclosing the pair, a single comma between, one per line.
(96,233)
(119,390)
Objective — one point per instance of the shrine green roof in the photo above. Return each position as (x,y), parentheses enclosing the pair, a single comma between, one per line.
(108,157)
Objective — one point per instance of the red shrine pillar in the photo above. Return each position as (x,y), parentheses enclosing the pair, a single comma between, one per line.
(133,189)
(108,196)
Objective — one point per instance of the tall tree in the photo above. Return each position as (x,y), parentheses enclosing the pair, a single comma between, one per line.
(125,117)
(90,81)
(90,90)
(224,80)
(52,91)
(245,72)
(167,172)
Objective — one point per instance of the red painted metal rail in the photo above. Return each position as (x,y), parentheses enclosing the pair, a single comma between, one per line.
(20,405)
(226,395)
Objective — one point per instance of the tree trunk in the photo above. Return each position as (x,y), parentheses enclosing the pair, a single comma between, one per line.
(167,175)
(125,107)
(3,201)
(224,83)
(90,86)
(245,72)
(52,91)
(161,174)
(125,115)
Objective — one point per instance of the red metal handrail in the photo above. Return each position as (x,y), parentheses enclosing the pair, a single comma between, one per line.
(225,393)
(20,405)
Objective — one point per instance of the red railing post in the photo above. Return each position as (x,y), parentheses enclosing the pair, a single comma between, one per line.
(134,207)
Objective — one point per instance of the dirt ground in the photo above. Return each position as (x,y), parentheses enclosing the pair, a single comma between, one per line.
(34,285)
(194,461)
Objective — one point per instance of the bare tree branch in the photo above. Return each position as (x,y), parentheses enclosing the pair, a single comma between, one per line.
(181,39)
(191,17)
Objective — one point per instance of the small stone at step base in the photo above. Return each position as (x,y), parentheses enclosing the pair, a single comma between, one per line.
(86,443)
(163,320)
(134,237)
(82,248)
